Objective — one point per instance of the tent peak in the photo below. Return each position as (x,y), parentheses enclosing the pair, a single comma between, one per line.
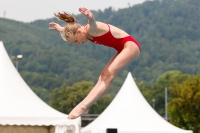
(129,76)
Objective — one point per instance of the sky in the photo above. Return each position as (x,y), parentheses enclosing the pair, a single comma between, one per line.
(31,10)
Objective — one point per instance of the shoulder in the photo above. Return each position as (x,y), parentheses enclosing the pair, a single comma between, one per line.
(100,25)
(101,28)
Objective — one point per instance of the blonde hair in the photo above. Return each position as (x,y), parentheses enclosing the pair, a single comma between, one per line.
(71,27)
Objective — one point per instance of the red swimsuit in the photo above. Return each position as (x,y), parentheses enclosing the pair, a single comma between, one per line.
(117,43)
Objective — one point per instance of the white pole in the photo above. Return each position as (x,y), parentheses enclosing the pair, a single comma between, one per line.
(166,117)
(17,64)
(19,57)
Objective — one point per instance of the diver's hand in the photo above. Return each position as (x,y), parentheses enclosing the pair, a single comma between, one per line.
(55,26)
(86,12)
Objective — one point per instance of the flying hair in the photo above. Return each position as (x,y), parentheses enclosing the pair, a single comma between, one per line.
(66,17)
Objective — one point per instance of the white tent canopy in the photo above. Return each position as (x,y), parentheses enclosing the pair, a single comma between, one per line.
(129,112)
(21,106)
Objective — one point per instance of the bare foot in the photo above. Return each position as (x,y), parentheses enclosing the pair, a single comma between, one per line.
(77,111)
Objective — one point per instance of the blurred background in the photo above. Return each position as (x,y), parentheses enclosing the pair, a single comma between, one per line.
(60,72)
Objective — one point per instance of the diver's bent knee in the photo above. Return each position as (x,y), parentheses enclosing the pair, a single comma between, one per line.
(106,76)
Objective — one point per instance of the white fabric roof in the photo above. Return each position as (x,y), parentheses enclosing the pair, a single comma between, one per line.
(19,104)
(129,112)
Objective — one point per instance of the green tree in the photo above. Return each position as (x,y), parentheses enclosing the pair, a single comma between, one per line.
(146,91)
(163,81)
(66,98)
(43,93)
(184,107)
